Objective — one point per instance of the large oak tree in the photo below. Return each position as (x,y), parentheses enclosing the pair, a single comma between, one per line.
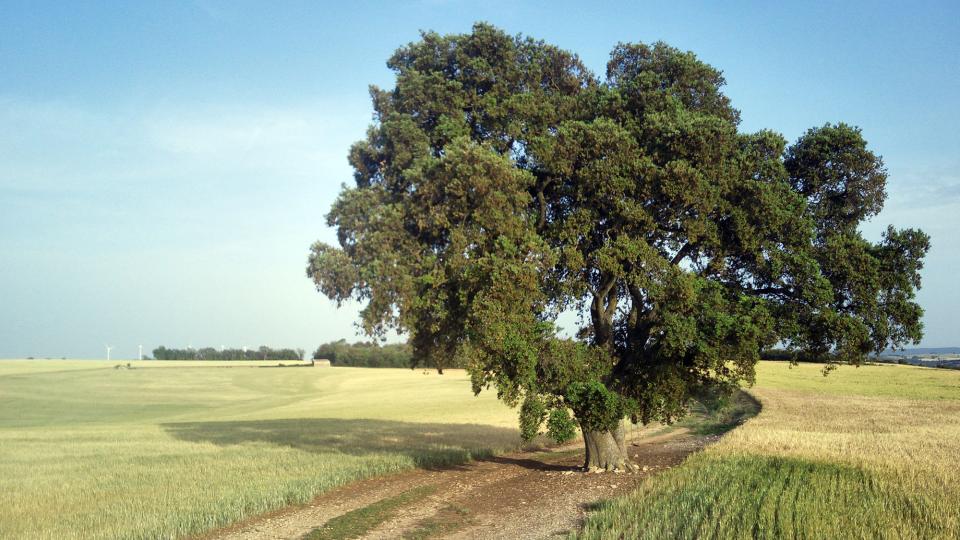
(502,184)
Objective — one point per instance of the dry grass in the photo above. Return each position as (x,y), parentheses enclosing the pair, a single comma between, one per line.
(863,453)
(88,451)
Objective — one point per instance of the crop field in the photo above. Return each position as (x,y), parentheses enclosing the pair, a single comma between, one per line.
(172,449)
(177,448)
(867,452)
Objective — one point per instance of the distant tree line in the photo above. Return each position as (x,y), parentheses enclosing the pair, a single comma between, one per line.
(365,354)
(209,353)
(796,356)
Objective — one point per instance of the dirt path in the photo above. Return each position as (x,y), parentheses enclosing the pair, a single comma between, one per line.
(517,496)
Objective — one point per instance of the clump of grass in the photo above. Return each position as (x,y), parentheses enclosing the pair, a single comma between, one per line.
(844,456)
(359,522)
(450,518)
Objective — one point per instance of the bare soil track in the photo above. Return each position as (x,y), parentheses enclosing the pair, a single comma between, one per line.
(516,496)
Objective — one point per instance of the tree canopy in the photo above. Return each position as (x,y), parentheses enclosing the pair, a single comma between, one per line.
(210,353)
(502,184)
(364,354)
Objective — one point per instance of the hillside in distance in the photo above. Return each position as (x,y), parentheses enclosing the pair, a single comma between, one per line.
(924,350)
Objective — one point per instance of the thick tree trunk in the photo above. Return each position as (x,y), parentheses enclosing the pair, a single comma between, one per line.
(606,450)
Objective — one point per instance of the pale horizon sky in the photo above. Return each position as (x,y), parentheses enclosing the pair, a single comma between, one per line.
(164,167)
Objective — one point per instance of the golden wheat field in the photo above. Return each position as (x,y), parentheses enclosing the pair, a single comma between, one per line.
(170,450)
(869,452)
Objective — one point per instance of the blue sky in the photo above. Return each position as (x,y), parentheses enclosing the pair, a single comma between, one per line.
(164,166)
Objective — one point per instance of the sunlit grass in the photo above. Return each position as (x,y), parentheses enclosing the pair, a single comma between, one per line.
(168,449)
(863,453)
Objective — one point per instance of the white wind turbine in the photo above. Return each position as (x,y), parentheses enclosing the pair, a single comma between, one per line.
(109,347)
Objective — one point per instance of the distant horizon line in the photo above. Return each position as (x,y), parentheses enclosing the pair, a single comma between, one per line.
(955,349)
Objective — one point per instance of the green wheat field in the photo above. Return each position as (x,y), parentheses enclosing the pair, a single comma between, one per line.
(167,450)
(870,452)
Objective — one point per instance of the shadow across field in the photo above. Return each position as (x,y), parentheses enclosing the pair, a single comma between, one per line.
(429,445)
(716,416)
(532,464)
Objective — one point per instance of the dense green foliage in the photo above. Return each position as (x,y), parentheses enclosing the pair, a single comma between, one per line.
(209,353)
(365,354)
(503,183)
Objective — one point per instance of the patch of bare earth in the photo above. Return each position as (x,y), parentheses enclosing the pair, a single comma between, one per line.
(516,496)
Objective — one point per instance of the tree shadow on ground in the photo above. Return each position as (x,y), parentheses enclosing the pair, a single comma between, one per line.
(716,416)
(429,445)
(533,464)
